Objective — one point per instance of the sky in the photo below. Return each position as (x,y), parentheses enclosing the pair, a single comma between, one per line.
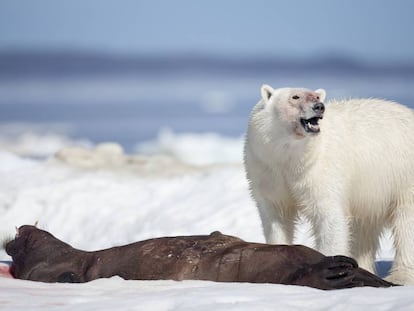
(372,30)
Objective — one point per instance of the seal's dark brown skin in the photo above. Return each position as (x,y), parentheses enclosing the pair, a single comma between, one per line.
(39,256)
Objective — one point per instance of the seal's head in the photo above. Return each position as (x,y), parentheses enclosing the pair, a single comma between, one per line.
(39,256)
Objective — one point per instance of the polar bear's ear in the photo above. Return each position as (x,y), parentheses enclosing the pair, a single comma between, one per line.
(322,94)
(266,91)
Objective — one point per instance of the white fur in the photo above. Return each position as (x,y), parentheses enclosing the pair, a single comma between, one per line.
(352,179)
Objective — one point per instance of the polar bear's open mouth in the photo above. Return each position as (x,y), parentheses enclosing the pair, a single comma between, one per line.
(311,125)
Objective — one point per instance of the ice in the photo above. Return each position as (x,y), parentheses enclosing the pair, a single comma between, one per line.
(119,198)
(37,140)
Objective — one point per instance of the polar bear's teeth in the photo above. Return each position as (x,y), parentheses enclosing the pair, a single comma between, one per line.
(311,126)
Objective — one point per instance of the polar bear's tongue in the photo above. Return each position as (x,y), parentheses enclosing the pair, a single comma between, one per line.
(311,125)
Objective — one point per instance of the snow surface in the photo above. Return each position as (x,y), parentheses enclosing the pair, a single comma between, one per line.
(98,198)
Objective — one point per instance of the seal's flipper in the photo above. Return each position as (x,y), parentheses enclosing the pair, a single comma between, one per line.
(336,272)
(369,279)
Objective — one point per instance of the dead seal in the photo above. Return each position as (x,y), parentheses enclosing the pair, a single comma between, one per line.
(39,256)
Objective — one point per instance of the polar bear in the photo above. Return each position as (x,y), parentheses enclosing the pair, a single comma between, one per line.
(347,166)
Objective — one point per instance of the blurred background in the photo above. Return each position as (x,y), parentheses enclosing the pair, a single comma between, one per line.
(182,76)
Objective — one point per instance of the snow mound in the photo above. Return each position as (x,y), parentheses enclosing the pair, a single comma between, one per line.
(111,156)
(197,149)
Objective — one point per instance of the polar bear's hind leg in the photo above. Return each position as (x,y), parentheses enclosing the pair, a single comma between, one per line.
(402,271)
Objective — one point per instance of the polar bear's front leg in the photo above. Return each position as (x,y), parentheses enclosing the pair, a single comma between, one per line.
(365,241)
(331,229)
(278,222)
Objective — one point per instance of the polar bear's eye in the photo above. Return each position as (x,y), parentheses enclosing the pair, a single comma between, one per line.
(295,97)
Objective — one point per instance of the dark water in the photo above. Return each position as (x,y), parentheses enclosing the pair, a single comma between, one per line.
(383,268)
(130,100)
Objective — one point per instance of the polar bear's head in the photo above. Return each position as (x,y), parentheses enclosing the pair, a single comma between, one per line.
(297,108)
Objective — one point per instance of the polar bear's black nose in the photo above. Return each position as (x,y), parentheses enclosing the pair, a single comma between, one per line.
(319,107)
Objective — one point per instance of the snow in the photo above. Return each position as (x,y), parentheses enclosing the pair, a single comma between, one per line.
(118,294)
(101,197)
